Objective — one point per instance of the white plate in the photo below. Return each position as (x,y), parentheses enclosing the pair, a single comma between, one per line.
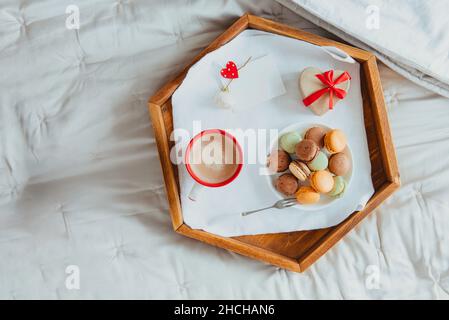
(325,200)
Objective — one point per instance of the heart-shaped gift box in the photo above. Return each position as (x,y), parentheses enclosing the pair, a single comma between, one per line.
(310,83)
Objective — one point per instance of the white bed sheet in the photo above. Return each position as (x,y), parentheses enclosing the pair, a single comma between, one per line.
(80,180)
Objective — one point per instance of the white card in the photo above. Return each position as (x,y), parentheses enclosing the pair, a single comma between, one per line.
(258,81)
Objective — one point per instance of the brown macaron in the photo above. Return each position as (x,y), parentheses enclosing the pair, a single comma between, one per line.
(306,150)
(287,184)
(339,164)
(316,134)
(299,170)
(278,161)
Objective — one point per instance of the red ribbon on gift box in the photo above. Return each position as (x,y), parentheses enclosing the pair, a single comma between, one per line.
(327,79)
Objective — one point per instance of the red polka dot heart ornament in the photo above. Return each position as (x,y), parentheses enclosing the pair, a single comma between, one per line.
(224,98)
(230,71)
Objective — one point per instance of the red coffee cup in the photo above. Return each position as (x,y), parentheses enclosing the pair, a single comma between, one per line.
(213,158)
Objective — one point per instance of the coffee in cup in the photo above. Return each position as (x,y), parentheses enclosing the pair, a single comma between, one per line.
(213,159)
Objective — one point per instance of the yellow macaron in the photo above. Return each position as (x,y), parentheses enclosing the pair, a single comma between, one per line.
(307,195)
(335,141)
(322,181)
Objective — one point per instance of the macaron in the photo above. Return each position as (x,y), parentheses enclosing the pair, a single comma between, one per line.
(287,184)
(299,170)
(289,141)
(322,181)
(318,163)
(339,187)
(317,135)
(306,150)
(339,164)
(278,161)
(335,141)
(307,195)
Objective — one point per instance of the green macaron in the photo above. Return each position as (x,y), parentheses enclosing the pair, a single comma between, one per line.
(289,141)
(339,187)
(318,163)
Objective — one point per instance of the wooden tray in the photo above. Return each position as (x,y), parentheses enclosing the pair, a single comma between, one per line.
(293,250)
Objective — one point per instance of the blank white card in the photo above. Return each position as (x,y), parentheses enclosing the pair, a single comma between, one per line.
(258,81)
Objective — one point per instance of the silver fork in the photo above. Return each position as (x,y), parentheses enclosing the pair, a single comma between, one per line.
(281,204)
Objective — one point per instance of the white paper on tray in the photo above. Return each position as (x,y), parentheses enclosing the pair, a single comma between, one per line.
(218,210)
(258,81)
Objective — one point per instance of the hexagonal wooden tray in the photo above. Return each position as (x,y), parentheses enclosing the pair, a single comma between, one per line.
(294,250)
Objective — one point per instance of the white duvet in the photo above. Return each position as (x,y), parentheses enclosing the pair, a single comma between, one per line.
(410,36)
(81,190)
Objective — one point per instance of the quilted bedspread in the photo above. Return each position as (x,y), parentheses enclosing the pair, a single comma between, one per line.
(83,210)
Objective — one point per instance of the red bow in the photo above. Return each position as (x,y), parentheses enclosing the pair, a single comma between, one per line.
(327,78)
